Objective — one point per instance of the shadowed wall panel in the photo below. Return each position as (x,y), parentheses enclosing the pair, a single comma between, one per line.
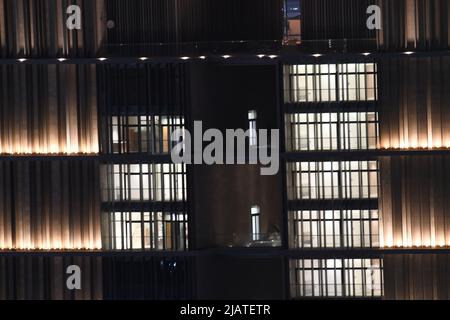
(143,22)
(49,204)
(240,277)
(27,277)
(37,28)
(414,24)
(416,276)
(48,109)
(415,208)
(414,100)
(149,278)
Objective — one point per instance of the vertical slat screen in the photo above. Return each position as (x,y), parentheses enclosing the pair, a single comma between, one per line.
(37,28)
(414,206)
(416,276)
(30,277)
(49,204)
(413,104)
(414,24)
(48,109)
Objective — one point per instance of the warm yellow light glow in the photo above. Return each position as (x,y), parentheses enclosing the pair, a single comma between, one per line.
(52,149)
(4,249)
(415,147)
(408,244)
(54,245)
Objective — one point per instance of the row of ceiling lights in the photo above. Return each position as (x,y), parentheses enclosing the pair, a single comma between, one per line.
(226,56)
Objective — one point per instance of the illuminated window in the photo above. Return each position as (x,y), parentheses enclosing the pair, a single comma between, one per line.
(142,182)
(357,82)
(253,135)
(330,82)
(332,131)
(148,230)
(143,134)
(336,278)
(310,83)
(333,228)
(292,22)
(255,216)
(332,180)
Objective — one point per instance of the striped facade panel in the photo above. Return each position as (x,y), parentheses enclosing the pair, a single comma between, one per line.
(413,202)
(32,277)
(49,204)
(416,276)
(413,105)
(414,24)
(48,109)
(37,28)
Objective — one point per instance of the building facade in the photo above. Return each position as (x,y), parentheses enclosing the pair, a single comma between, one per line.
(358,208)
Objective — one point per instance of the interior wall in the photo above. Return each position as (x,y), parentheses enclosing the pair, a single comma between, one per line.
(224,194)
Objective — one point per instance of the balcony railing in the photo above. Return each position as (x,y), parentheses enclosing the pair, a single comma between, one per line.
(239,240)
